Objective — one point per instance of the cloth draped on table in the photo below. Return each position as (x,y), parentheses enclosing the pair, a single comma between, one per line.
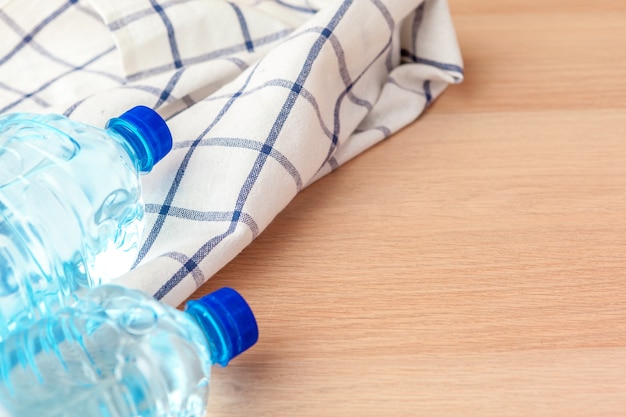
(263,97)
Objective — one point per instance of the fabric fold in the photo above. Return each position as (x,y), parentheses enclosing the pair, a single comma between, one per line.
(262,98)
(333,88)
(155,37)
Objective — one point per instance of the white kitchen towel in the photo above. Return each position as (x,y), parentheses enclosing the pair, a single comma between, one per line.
(263,97)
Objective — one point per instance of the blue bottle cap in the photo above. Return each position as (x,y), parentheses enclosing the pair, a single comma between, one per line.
(146,132)
(228,321)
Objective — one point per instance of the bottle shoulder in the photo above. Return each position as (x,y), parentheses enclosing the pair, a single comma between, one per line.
(139,316)
(57,135)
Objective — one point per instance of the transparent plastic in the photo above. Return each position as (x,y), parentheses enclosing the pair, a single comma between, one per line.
(71,211)
(118,352)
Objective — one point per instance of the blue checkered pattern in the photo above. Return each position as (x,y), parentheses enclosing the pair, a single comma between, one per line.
(263,97)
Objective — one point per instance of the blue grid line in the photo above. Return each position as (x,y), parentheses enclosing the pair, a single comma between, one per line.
(145,88)
(188,100)
(68,112)
(167,91)
(183,259)
(220,53)
(289,104)
(244,27)
(249,144)
(44,52)
(171,33)
(204,216)
(441,65)
(190,265)
(89,12)
(296,8)
(345,76)
(284,83)
(384,129)
(418,17)
(26,39)
(36,99)
(262,157)
(391,24)
(156,228)
(338,103)
(149,89)
(213,55)
(55,79)
(123,21)
(393,81)
(427,93)
(239,62)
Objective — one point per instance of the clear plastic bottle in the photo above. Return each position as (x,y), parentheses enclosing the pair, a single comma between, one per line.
(71,212)
(120,353)
(4,413)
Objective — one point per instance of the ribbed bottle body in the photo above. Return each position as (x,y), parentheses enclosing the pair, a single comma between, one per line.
(71,213)
(117,352)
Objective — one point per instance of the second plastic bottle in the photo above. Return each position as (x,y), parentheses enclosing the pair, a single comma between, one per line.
(118,352)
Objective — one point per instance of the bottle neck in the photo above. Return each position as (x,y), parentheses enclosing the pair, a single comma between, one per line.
(217,339)
(227,322)
(146,133)
(133,140)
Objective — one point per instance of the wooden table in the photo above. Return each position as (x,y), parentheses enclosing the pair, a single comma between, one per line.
(474,263)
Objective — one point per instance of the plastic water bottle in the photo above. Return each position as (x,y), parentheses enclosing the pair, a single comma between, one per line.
(71,212)
(118,352)
(4,413)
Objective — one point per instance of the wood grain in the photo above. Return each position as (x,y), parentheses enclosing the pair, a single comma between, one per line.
(474,263)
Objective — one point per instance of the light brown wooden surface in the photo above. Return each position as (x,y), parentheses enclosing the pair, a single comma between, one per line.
(474,263)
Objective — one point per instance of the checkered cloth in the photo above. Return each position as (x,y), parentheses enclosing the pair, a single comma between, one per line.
(263,97)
